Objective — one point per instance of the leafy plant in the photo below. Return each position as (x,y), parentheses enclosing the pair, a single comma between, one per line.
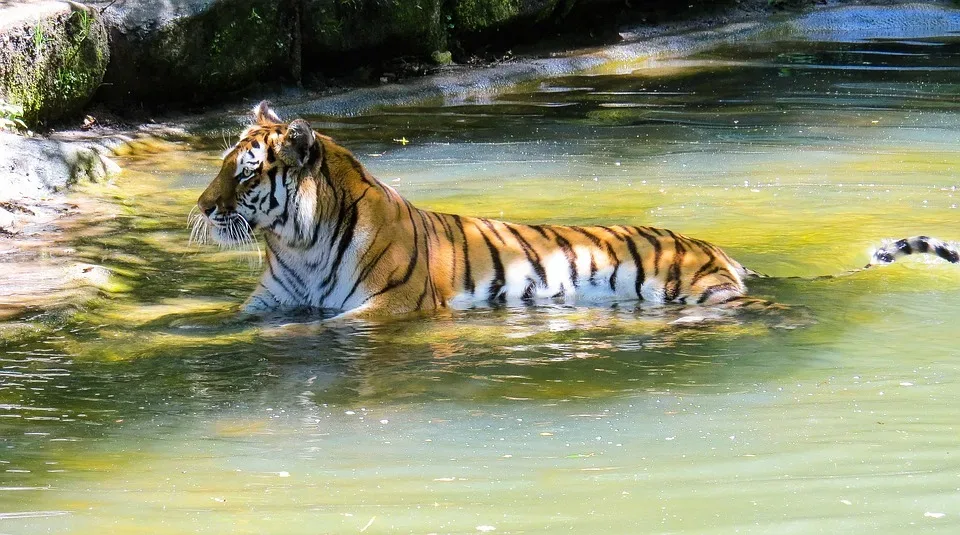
(38,37)
(84,21)
(11,117)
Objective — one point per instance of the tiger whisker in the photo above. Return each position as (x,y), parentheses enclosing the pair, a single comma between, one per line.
(199,230)
(249,239)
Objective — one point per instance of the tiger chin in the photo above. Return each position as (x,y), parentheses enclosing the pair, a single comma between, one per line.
(337,238)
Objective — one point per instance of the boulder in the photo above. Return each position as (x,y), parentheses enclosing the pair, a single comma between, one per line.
(335,31)
(53,56)
(32,168)
(197,50)
(481,16)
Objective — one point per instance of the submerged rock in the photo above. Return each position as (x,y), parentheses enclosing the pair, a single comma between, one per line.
(33,168)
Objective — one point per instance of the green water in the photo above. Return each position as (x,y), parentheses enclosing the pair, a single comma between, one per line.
(139,414)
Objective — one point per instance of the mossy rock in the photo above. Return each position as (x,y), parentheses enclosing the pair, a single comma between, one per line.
(476,16)
(338,30)
(196,51)
(53,56)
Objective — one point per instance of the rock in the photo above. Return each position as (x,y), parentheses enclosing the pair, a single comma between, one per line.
(197,50)
(442,58)
(863,23)
(335,31)
(478,24)
(191,51)
(36,167)
(478,16)
(53,56)
(8,221)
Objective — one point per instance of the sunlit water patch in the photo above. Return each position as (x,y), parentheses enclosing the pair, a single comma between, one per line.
(151,411)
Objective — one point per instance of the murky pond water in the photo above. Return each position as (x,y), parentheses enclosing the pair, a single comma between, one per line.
(136,415)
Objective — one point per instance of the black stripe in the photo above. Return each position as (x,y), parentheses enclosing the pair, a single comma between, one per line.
(423,294)
(467,275)
(708,268)
(528,292)
(613,256)
(532,257)
(657,246)
(345,239)
(282,220)
(325,173)
(272,175)
(366,272)
(540,229)
(571,257)
(287,271)
(339,219)
(947,254)
(904,246)
(592,237)
(367,268)
(641,275)
(613,231)
(496,285)
(426,257)
(297,231)
(448,232)
(714,289)
(672,284)
(616,268)
(276,279)
(313,154)
(489,225)
(337,193)
(358,168)
(394,283)
(884,256)
(705,271)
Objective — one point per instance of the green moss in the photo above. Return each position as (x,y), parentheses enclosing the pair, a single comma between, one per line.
(228,47)
(52,67)
(473,16)
(477,15)
(393,27)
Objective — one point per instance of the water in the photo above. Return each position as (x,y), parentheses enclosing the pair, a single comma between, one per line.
(143,413)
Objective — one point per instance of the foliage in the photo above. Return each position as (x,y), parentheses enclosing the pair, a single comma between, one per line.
(38,38)
(11,117)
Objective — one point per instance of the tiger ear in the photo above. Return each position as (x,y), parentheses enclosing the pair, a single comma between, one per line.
(264,115)
(298,144)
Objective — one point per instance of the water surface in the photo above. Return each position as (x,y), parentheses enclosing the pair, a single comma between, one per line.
(142,413)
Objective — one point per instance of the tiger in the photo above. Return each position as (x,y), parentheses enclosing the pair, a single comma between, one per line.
(339,239)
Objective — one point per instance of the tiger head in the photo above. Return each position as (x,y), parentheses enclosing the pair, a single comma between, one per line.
(256,178)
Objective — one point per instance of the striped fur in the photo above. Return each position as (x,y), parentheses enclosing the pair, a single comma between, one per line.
(337,238)
(892,251)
